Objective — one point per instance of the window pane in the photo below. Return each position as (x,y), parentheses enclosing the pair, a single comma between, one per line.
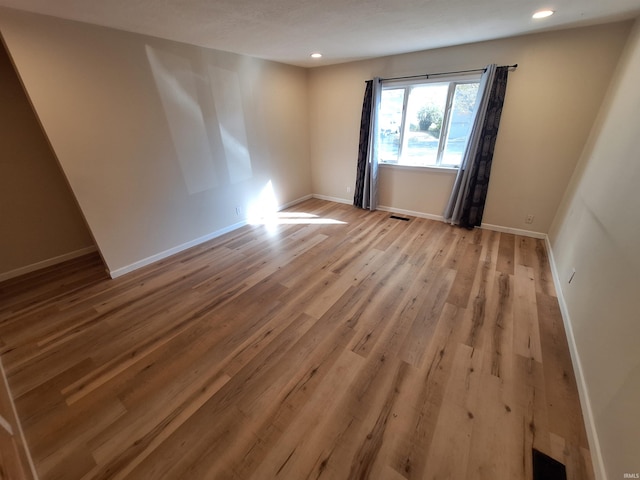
(425,111)
(389,123)
(411,118)
(460,123)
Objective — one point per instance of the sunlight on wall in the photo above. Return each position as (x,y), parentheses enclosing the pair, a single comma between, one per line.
(264,208)
(207,127)
(177,87)
(228,101)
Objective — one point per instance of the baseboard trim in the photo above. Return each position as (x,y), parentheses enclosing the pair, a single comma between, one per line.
(431,216)
(295,202)
(332,199)
(514,231)
(46,263)
(118,272)
(383,208)
(585,402)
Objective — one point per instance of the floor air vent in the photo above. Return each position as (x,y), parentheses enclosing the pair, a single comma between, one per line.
(397,217)
(546,468)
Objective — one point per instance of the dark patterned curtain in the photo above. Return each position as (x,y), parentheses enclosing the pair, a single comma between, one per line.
(466,204)
(476,195)
(366,194)
(363,148)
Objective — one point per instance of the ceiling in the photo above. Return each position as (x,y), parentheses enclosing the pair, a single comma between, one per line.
(289,31)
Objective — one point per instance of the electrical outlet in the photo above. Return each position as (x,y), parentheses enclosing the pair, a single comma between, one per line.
(238,211)
(529,219)
(348,189)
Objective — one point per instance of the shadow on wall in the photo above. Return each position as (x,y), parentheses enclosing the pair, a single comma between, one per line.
(194,100)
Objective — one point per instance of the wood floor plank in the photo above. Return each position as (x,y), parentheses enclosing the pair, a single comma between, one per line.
(480,307)
(362,348)
(465,274)
(306,443)
(426,319)
(448,456)
(559,381)
(526,334)
(506,254)
(544,280)
(498,453)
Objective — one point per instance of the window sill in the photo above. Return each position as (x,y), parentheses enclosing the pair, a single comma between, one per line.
(394,166)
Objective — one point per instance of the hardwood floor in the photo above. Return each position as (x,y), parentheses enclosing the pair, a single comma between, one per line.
(374,348)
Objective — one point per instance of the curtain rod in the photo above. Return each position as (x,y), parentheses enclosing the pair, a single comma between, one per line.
(428,75)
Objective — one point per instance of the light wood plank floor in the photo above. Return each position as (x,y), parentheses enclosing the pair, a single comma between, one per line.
(374,348)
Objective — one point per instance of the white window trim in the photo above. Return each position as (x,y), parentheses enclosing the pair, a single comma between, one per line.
(470,77)
(421,168)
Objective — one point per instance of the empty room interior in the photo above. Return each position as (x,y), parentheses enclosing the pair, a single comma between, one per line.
(223,257)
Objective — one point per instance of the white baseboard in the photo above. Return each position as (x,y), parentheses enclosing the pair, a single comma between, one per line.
(118,272)
(333,199)
(193,243)
(585,402)
(431,216)
(295,202)
(514,231)
(46,263)
(381,207)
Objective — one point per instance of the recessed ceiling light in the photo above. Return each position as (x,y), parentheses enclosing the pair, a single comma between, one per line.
(316,55)
(543,13)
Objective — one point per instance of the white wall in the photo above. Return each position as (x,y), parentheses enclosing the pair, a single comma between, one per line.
(552,100)
(597,232)
(160,141)
(39,219)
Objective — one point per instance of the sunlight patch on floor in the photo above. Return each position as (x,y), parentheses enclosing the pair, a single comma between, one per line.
(264,211)
(294,218)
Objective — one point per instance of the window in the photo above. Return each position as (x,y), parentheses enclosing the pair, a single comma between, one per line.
(426,124)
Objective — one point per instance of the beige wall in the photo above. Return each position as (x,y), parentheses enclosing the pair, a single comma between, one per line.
(160,141)
(552,99)
(39,219)
(597,232)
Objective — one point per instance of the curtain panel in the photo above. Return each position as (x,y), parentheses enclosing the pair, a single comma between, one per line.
(366,190)
(466,204)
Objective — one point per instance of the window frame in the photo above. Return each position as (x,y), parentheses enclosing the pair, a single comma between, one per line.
(407,84)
